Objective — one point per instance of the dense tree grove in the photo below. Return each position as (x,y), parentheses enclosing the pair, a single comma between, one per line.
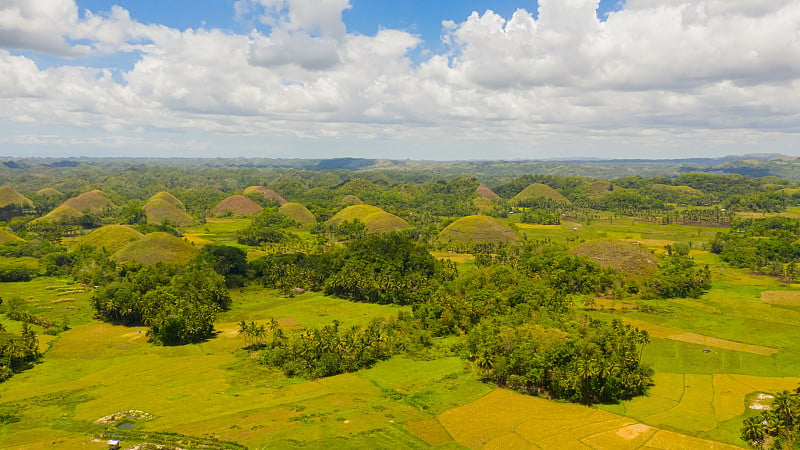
(179,305)
(768,245)
(581,360)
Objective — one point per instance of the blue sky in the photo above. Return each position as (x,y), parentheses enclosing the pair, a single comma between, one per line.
(401,79)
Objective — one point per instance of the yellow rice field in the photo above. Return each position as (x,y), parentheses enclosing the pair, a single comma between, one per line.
(505,419)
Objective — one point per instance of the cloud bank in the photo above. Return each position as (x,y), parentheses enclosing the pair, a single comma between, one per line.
(669,73)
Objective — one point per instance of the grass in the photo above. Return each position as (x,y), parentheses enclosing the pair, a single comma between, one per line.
(157,247)
(477,230)
(167,197)
(100,369)
(238,205)
(299,213)
(110,237)
(374,219)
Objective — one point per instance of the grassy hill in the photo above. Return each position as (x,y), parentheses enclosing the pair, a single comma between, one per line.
(7,235)
(300,213)
(94,201)
(60,214)
(49,192)
(167,197)
(157,247)
(8,196)
(628,258)
(600,188)
(268,194)
(375,219)
(485,191)
(110,237)
(477,230)
(538,191)
(351,200)
(239,205)
(166,207)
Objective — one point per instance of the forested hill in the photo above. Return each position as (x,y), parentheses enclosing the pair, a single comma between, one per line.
(760,165)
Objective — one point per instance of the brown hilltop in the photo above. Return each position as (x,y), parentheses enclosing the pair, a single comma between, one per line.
(94,201)
(485,191)
(8,196)
(268,194)
(239,205)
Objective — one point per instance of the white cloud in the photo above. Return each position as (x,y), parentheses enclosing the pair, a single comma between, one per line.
(656,71)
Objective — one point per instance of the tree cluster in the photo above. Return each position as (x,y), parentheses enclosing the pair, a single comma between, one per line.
(179,305)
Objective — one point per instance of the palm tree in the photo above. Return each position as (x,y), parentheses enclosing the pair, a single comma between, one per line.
(754,432)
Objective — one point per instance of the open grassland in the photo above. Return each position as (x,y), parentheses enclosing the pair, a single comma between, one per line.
(215,389)
(217,230)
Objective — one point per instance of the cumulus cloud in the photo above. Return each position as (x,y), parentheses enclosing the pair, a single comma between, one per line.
(658,71)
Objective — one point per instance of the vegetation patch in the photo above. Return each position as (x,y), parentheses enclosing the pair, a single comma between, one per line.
(629,259)
(157,247)
(110,237)
(600,188)
(49,192)
(237,205)
(473,230)
(298,213)
(374,219)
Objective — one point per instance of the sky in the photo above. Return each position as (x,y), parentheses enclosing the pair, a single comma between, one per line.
(402,79)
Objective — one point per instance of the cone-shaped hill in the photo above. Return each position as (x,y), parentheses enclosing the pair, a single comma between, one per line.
(299,213)
(537,191)
(8,197)
(472,230)
(351,200)
(483,202)
(375,219)
(110,237)
(630,259)
(60,214)
(49,192)
(7,235)
(238,205)
(94,201)
(157,247)
(167,197)
(600,188)
(165,207)
(268,194)
(485,191)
